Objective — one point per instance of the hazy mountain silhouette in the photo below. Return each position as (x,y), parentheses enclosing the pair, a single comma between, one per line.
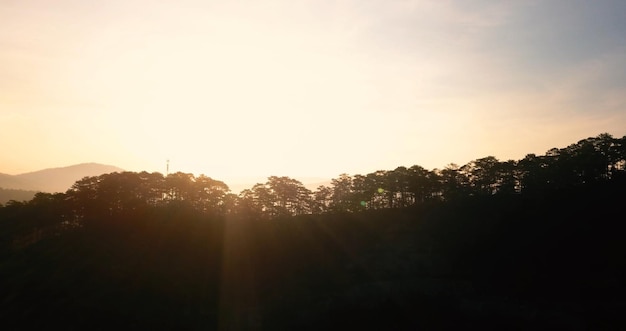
(15,182)
(7,195)
(54,179)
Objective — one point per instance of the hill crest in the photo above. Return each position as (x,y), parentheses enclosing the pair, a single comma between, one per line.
(58,179)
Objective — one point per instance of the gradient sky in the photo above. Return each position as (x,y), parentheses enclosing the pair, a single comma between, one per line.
(304,88)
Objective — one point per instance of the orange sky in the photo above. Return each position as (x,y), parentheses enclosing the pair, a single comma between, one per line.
(304,88)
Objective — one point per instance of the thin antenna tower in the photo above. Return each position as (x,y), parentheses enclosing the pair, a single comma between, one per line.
(167,168)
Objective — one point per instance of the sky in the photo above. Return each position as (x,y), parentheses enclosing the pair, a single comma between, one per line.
(313,88)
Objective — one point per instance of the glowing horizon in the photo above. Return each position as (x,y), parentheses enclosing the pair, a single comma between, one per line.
(304,89)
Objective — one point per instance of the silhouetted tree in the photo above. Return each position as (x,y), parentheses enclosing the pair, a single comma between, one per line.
(248,203)
(533,173)
(482,175)
(83,197)
(210,195)
(289,196)
(422,184)
(401,185)
(362,192)
(180,186)
(342,198)
(508,178)
(454,182)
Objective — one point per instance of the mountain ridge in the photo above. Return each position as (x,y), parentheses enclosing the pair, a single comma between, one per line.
(58,179)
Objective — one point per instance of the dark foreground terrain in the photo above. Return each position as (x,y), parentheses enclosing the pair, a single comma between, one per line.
(554,260)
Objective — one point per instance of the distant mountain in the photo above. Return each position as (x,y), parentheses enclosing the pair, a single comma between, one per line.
(15,182)
(54,179)
(7,195)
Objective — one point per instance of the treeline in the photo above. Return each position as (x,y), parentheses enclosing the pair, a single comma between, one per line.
(127,194)
(490,244)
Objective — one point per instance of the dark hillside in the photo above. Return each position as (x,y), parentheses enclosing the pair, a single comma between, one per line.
(529,244)
(555,261)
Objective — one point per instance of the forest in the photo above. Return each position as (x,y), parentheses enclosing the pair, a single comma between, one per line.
(535,243)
